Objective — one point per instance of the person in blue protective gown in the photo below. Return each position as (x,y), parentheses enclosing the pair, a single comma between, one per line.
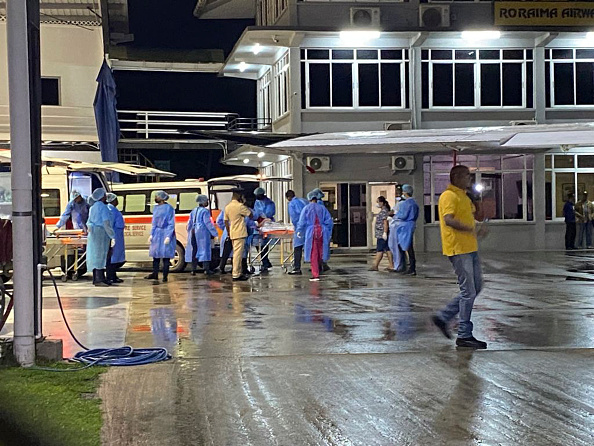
(397,266)
(408,213)
(162,239)
(264,208)
(101,237)
(320,195)
(315,225)
(296,206)
(76,212)
(117,255)
(200,232)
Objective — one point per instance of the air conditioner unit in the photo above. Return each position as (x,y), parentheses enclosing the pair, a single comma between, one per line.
(434,16)
(524,122)
(403,162)
(397,125)
(319,163)
(365,17)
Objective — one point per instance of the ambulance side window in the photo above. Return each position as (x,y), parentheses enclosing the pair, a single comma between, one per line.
(135,204)
(187,201)
(121,200)
(50,201)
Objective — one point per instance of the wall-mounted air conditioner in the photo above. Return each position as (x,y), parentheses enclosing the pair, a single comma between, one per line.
(397,125)
(524,122)
(434,16)
(365,17)
(403,162)
(319,163)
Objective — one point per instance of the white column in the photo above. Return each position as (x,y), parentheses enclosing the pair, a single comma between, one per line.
(22,205)
(539,201)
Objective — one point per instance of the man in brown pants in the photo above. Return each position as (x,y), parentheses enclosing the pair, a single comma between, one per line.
(235,213)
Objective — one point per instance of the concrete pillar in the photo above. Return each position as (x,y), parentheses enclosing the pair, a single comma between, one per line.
(295,89)
(418,185)
(539,201)
(539,86)
(416,88)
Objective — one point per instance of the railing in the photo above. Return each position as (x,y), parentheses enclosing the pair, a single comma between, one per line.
(250,124)
(170,125)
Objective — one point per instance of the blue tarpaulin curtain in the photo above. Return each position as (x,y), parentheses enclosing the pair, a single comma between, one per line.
(106,115)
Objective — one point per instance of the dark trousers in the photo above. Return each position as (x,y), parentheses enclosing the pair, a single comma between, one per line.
(166,264)
(412,260)
(227,248)
(570,231)
(298,257)
(112,269)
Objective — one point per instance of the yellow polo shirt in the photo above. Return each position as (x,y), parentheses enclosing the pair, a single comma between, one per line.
(454,201)
(235,212)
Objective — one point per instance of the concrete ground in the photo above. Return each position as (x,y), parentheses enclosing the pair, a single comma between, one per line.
(350,360)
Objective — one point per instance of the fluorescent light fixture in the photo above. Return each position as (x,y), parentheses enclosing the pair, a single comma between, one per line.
(256,49)
(481,35)
(479,188)
(242,66)
(246,161)
(358,37)
(590,36)
(261,154)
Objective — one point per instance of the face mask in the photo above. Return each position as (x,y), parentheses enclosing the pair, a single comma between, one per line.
(379,206)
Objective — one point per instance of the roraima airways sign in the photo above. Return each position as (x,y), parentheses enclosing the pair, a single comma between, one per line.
(544,13)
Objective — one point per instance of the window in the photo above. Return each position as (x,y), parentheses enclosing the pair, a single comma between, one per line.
(477,78)
(570,77)
(50,201)
(281,86)
(120,205)
(187,201)
(506,180)
(564,175)
(135,204)
(50,91)
(264,114)
(172,200)
(354,78)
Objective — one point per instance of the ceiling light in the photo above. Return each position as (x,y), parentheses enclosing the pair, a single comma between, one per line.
(246,161)
(242,66)
(590,36)
(261,154)
(481,35)
(257,48)
(358,37)
(479,188)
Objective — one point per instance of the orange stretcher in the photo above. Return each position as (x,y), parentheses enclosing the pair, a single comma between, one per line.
(70,245)
(271,235)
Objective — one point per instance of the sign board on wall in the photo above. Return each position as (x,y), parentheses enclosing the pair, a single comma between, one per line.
(544,13)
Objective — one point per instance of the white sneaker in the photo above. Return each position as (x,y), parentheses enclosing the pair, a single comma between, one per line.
(314,279)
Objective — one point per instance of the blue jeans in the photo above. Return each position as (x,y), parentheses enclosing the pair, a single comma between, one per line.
(585,229)
(470,280)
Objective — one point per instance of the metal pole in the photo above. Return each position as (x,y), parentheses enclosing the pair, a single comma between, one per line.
(22,198)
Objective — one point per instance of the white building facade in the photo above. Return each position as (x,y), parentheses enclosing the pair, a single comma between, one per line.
(421,70)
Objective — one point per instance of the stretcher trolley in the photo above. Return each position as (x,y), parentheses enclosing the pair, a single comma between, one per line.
(271,235)
(69,246)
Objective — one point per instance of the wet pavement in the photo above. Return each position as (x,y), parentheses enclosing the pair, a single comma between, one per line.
(349,360)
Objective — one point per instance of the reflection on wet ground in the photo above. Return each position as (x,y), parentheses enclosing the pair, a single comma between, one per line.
(352,359)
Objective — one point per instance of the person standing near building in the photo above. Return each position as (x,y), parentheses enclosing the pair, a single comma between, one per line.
(201,230)
(76,212)
(569,215)
(315,225)
(398,265)
(296,206)
(264,208)
(381,233)
(117,255)
(407,215)
(101,237)
(162,238)
(460,245)
(584,211)
(235,213)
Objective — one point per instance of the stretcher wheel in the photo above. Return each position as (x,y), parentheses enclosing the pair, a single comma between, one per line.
(64,277)
(75,276)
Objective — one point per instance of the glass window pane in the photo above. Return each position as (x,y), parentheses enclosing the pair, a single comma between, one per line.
(443,82)
(512,84)
(586,161)
(342,85)
(585,183)
(441,55)
(342,54)
(302,53)
(424,54)
(187,201)
(530,85)
(529,54)
(492,195)
(564,185)
(465,54)
(319,85)
(584,83)
(547,84)
(440,184)
(120,205)
(547,54)
(391,54)
(490,84)
(425,85)
(512,162)
(513,54)
(368,85)
(50,201)
(391,85)
(529,191)
(407,84)
(172,201)
(563,84)
(548,161)
(564,162)
(135,203)
(464,84)
(489,54)
(318,54)
(50,91)
(548,195)
(303,89)
(584,53)
(513,199)
(529,162)
(367,54)
(562,54)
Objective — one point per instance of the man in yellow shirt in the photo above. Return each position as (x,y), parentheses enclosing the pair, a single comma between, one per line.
(235,213)
(459,243)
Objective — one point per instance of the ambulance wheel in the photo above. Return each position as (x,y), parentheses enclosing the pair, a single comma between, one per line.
(178,263)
